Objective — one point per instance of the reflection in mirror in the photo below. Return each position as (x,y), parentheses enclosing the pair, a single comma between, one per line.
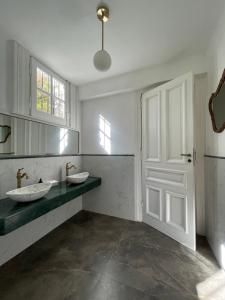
(217,106)
(34,138)
(5,132)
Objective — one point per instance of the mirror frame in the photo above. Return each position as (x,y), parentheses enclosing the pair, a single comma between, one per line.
(6,138)
(214,95)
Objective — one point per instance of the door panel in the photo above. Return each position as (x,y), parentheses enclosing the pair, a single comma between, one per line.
(175,123)
(153,127)
(154,202)
(168,177)
(176,211)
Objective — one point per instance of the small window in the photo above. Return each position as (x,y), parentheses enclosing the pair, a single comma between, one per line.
(48,94)
(43,100)
(58,98)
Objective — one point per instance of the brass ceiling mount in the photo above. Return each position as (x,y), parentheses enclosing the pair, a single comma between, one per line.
(103,13)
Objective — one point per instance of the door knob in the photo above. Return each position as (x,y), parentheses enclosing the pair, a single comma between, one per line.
(187,155)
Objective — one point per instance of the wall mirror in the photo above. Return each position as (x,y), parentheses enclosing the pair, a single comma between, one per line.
(5,132)
(217,106)
(23,137)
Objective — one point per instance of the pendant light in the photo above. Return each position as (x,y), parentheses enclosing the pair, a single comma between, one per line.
(102,59)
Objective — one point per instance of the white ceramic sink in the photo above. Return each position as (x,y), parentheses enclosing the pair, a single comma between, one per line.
(78,178)
(30,192)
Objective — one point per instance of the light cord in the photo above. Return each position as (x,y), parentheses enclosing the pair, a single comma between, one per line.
(102,35)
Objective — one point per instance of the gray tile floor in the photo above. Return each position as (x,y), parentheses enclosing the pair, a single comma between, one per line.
(98,257)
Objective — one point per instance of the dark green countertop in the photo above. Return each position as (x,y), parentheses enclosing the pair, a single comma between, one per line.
(14,214)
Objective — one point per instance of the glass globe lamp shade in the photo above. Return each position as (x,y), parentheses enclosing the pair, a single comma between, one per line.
(102,60)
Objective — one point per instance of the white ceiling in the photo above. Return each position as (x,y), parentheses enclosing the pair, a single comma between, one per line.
(65,34)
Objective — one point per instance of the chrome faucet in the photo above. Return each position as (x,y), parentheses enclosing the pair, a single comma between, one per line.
(19,176)
(68,167)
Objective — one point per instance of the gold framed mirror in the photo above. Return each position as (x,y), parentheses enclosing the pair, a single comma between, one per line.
(5,132)
(217,106)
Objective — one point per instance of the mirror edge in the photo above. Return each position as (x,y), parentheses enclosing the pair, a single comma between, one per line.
(221,83)
(28,118)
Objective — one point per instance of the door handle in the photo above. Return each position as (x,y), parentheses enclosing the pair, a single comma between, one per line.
(187,155)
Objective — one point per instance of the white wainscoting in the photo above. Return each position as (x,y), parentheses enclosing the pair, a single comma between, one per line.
(116,195)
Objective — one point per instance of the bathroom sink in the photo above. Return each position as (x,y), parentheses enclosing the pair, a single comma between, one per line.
(29,193)
(78,178)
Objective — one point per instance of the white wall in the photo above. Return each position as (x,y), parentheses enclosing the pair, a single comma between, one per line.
(200,95)
(215,145)
(143,78)
(121,113)
(5,75)
(116,195)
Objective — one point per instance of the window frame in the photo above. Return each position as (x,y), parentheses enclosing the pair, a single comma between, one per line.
(49,117)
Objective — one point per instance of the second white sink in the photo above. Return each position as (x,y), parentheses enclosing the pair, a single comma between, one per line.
(78,178)
(30,192)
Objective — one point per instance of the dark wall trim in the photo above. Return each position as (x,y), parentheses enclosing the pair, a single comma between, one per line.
(107,155)
(214,156)
(2,157)
(6,156)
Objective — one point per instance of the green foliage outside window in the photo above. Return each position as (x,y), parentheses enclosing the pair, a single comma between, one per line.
(50,94)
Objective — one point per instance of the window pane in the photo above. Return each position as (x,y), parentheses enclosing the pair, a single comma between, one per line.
(43,81)
(59,108)
(43,102)
(58,89)
(39,78)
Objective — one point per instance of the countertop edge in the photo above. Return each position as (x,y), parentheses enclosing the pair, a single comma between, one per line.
(12,222)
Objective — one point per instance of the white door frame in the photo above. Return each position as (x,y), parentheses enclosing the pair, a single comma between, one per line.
(166,187)
(200,98)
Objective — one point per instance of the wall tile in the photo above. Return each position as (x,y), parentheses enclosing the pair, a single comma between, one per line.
(115,197)
(36,168)
(215,206)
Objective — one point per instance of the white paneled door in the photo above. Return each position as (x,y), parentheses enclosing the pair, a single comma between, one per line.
(168,166)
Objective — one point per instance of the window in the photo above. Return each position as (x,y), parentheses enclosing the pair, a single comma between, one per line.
(43,100)
(48,94)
